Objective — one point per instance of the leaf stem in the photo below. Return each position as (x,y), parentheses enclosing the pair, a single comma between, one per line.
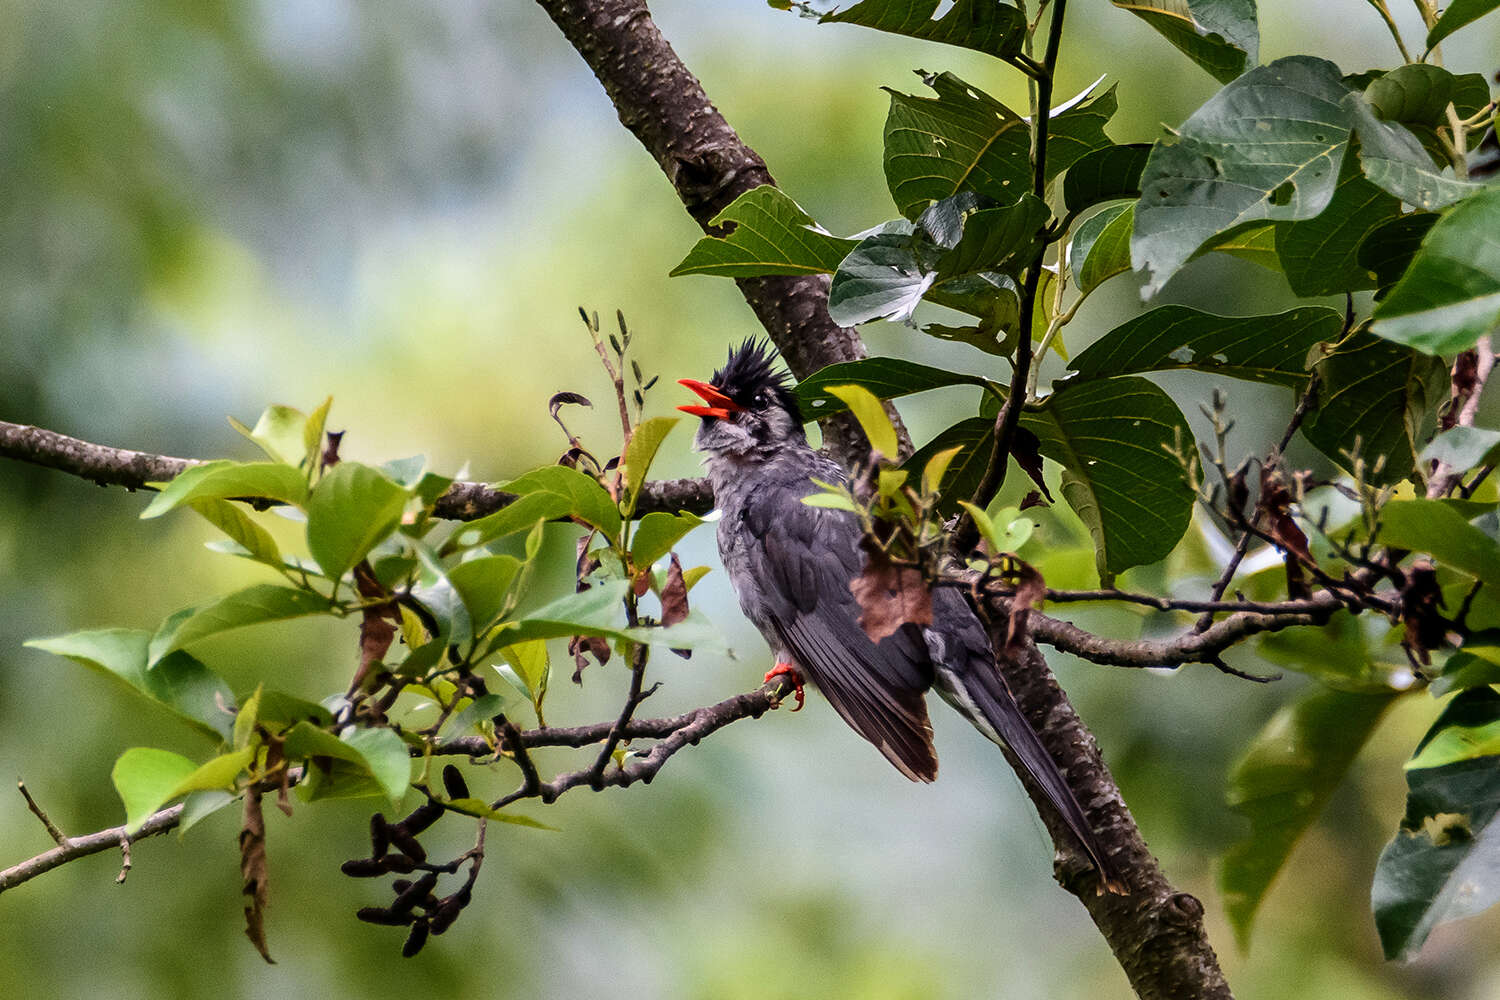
(1390,23)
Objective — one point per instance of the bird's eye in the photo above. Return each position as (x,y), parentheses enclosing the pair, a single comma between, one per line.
(760,398)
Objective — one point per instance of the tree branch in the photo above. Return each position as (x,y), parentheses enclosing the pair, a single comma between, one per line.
(93,843)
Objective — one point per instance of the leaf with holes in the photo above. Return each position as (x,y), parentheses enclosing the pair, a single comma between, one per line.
(1267,146)
(771,235)
(1255,348)
(1219,35)
(995,29)
(996,239)
(1077,131)
(1282,783)
(880,279)
(1380,398)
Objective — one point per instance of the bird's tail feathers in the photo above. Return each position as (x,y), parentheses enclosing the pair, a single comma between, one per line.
(983,697)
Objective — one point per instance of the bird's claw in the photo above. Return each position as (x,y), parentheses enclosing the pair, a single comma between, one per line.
(787,670)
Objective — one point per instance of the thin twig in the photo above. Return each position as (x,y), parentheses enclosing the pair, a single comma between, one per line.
(58,837)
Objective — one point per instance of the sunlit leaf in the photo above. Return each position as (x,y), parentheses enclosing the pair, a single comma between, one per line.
(771,235)
(222,480)
(1432,527)
(263,602)
(241,529)
(995,29)
(657,533)
(872,417)
(645,440)
(586,499)
(351,509)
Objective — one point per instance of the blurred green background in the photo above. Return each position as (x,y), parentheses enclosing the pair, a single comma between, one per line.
(206,207)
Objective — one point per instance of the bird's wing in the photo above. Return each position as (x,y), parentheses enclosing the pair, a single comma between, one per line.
(804,562)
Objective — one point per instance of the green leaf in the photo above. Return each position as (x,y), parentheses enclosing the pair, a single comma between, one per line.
(887,378)
(1450,295)
(379,753)
(1416,183)
(245,720)
(872,418)
(1076,132)
(996,239)
(1270,349)
(960,140)
(1436,529)
(657,533)
(351,509)
(1219,35)
(1101,247)
(1441,865)
(179,683)
(1414,94)
(1475,664)
(312,433)
(1255,242)
(198,806)
(587,500)
(1267,146)
(483,584)
(145,778)
(880,279)
(1464,448)
(641,450)
(1388,250)
(241,529)
(1320,256)
(1380,396)
(975,439)
(694,632)
(533,666)
(477,716)
(1456,15)
(936,467)
(596,611)
(222,480)
(771,235)
(1283,782)
(263,602)
(1111,438)
(280,433)
(992,28)
(521,514)
(1104,175)
(481,809)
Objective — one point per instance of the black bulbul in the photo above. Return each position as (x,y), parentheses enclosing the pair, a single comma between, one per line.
(791,565)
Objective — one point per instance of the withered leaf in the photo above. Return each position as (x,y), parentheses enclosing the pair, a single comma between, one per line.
(253,873)
(890,596)
(561,399)
(331,449)
(674,600)
(580,645)
(1276,508)
(1030,590)
(1421,614)
(1025,448)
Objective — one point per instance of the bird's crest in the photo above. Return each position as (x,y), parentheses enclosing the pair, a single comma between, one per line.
(750,370)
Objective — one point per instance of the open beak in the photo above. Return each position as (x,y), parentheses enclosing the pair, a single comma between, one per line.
(719,405)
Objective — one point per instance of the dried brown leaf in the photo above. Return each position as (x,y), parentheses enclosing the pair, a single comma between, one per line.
(1030,590)
(1421,613)
(674,597)
(253,873)
(890,596)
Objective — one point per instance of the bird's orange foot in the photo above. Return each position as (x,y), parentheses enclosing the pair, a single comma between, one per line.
(787,670)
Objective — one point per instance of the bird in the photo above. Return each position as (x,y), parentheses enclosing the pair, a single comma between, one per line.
(791,565)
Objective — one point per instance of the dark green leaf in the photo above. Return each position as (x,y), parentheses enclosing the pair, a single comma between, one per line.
(1267,146)
(1111,438)
(1394,160)
(1219,35)
(888,378)
(1389,249)
(1079,131)
(1441,865)
(264,602)
(995,239)
(1414,94)
(960,140)
(1105,174)
(221,480)
(976,437)
(995,29)
(1476,664)
(880,279)
(1283,782)
(179,683)
(1256,348)
(994,298)
(1450,295)
(657,533)
(1456,15)
(1320,256)
(351,509)
(1431,527)
(771,235)
(1379,396)
(1101,247)
(587,500)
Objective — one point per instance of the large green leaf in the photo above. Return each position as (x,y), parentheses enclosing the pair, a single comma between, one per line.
(996,239)
(1111,438)
(1419,94)
(263,602)
(1219,35)
(1464,447)
(880,279)
(1320,256)
(350,510)
(1104,175)
(1378,397)
(1444,862)
(1267,146)
(1456,15)
(888,378)
(483,584)
(255,540)
(960,140)
(771,235)
(975,439)
(995,29)
(1281,784)
(587,500)
(640,452)
(1256,348)
(179,682)
(1475,664)
(378,752)
(1438,530)
(1077,131)
(1101,246)
(221,480)
(1388,251)
(1395,160)
(1450,295)
(657,533)
(148,778)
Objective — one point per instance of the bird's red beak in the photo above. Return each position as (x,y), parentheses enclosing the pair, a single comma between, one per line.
(719,405)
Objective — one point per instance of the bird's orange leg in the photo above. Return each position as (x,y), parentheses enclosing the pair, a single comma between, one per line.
(786,669)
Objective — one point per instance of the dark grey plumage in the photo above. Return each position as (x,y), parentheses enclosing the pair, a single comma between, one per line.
(791,566)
